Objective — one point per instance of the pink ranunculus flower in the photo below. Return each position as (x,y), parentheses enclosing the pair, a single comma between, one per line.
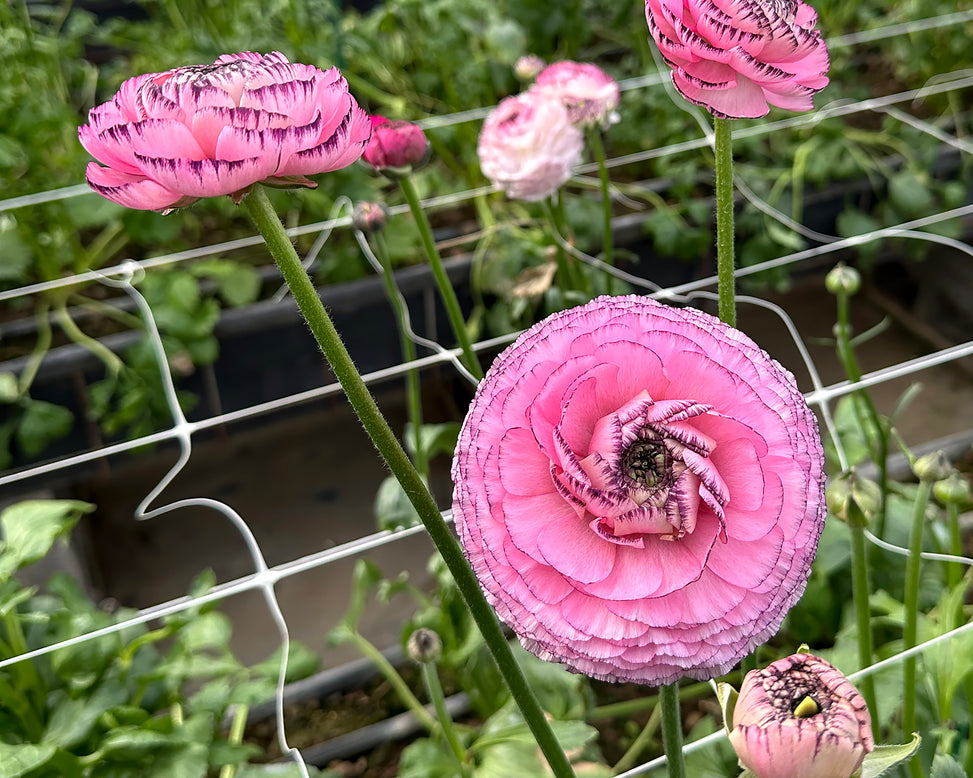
(733,57)
(396,146)
(588,92)
(800,717)
(168,139)
(639,489)
(528,146)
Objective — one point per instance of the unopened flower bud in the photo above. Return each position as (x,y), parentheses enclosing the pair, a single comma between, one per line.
(843,280)
(396,148)
(853,499)
(369,216)
(932,467)
(424,646)
(953,489)
(800,716)
(527,67)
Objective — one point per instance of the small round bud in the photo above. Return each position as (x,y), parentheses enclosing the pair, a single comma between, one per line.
(843,280)
(369,217)
(853,499)
(527,67)
(424,646)
(932,467)
(396,148)
(954,489)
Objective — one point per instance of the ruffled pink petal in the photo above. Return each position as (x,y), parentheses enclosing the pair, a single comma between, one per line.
(132,191)
(206,177)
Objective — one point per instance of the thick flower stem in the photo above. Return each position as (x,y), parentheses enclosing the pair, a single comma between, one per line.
(322,327)
(910,635)
(446,290)
(672,729)
(860,590)
(608,239)
(413,392)
(726,284)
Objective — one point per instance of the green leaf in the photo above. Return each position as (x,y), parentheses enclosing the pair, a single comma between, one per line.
(727,697)
(426,759)
(31,527)
(18,760)
(393,509)
(206,631)
(301,663)
(944,766)
(73,720)
(434,438)
(909,194)
(884,758)
(41,423)
(17,255)
(237,284)
(9,390)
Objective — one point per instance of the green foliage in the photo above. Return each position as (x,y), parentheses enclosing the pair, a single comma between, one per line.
(113,706)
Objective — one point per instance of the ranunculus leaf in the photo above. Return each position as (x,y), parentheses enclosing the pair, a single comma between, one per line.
(393,510)
(31,527)
(884,758)
(944,766)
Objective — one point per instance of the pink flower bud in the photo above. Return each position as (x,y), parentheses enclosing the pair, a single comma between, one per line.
(527,67)
(369,217)
(800,717)
(396,147)
(168,139)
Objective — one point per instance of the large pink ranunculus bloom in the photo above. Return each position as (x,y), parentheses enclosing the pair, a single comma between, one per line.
(588,92)
(800,717)
(528,146)
(639,489)
(168,139)
(734,57)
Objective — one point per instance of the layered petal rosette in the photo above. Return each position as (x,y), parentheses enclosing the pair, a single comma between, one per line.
(168,139)
(639,489)
(588,92)
(735,56)
(528,146)
(800,717)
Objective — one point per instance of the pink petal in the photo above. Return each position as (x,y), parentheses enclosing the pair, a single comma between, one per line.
(132,191)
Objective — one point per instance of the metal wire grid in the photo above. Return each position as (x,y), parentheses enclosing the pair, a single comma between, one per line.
(821,397)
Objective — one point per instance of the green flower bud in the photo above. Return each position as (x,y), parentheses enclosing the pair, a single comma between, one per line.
(843,280)
(853,499)
(424,646)
(932,467)
(953,489)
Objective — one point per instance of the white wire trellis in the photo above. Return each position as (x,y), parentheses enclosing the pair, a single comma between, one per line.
(264,577)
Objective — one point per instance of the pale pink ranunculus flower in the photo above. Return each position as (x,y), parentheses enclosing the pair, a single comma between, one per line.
(588,92)
(639,489)
(733,57)
(528,146)
(800,717)
(168,139)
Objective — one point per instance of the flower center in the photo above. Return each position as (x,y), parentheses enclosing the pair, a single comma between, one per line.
(648,464)
(806,707)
